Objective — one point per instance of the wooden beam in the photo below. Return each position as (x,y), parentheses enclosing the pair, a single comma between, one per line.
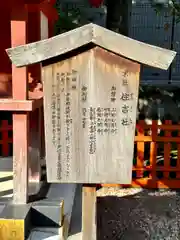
(20,120)
(89,212)
(20,105)
(129,48)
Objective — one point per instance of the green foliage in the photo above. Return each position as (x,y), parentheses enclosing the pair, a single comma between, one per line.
(173,7)
(69,18)
(66,20)
(72,18)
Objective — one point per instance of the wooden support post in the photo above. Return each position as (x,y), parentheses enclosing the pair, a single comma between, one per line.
(20,120)
(34,148)
(89,212)
(34,77)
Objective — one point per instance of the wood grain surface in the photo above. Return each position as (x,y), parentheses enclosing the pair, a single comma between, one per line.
(91,33)
(90,114)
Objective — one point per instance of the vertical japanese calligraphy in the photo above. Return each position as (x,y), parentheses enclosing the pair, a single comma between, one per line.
(58,126)
(84,93)
(113,94)
(113,120)
(74,76)
(106,120)
(92,131)
(127,99)
(64,82)
(53,113)
(124,78)
(68,127)
(84,117)
(102,120)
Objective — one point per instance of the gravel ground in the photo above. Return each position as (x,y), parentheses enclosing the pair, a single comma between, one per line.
(128,214)
(136,213)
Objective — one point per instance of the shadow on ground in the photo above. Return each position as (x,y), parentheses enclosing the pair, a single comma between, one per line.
(76,221)
(147,215)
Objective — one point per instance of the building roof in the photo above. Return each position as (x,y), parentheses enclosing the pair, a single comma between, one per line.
(124,46)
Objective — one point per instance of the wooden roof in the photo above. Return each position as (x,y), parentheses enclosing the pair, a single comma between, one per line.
(91,33)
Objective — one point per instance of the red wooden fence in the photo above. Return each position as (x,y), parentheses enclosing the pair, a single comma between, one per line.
(156,161)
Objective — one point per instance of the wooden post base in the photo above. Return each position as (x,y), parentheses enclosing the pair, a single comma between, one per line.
(89,212)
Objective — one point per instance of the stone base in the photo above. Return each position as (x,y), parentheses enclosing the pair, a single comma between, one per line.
(15,222)
(45,216)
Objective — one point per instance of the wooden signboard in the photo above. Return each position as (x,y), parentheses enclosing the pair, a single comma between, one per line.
(90,114)
(90,101)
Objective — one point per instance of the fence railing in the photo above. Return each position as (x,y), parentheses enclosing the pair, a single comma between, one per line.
(156,162)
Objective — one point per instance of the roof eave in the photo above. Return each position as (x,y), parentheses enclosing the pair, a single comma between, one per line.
(140,52)
(129,48)
(48,48)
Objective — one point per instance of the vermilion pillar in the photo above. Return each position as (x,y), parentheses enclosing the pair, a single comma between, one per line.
(26,27)
(19,20)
